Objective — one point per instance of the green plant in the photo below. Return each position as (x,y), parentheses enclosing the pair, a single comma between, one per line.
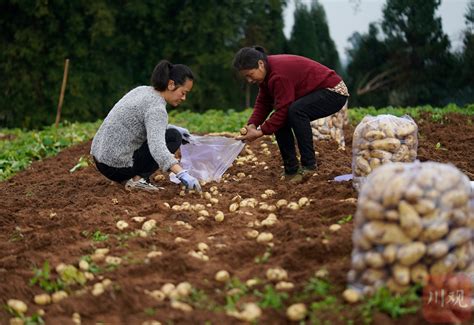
(239,290)
(345,219)
(34,319)
(42,277)
(16,235)
(200,300)
(93,268)
(271,298)
(317,287)
(438,146)
(264,258)
(149,311)
(98,236)
(82,163)
(395,305)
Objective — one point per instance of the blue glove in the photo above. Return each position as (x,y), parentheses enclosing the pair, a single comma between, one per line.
(183,131)
(190,182)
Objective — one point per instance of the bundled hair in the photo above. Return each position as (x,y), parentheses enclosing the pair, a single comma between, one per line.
(166,71)
(248,57)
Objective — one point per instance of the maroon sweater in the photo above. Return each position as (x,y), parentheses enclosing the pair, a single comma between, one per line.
(289,77)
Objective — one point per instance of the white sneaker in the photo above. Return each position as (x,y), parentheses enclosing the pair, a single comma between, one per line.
(141,184)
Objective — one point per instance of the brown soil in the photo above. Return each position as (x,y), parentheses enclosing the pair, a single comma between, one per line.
(46,211)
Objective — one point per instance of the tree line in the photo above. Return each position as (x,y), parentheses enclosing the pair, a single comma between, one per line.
(114,46)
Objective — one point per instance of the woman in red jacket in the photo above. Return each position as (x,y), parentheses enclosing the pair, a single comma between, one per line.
(299,90)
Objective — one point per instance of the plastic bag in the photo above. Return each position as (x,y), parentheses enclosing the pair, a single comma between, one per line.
(414,224)
(382,139)
(208,157)
(331,127)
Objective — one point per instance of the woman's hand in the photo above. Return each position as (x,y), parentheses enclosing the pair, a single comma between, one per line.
(251,135)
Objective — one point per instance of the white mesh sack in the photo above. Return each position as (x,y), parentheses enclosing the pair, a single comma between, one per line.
(414,222)
(382,139)
(208,157)
(331,127)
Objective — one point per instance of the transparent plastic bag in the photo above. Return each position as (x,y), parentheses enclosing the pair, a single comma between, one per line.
(331,127)
(414,224)
(208,157)
(382,139)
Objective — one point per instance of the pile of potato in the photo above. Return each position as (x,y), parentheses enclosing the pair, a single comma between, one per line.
(413,221)
(331,127)
(381,139)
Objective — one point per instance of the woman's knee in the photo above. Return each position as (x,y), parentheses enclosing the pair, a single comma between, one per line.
(173,139)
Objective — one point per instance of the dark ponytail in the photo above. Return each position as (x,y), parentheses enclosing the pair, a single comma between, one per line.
(166,71)
(248,57)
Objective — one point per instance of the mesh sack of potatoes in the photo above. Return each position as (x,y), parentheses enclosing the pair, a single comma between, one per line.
(381,139)
(414,222)
(331,127)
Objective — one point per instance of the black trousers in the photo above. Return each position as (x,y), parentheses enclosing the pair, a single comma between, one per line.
(144,164)
(316,105)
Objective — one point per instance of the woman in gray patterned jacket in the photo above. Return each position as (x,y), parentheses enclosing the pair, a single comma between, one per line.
(135,138)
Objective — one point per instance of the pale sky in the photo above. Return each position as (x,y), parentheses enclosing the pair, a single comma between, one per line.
(344,19)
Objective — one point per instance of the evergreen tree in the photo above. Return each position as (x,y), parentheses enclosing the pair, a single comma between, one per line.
(468,49)
(310,35)
(419,49)
(366,70)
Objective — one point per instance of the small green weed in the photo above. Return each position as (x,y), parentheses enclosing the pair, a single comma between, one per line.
(345,219)
(393,305)
(271,298)
(264,258)
(34,319)
(42,277)
(82,163)
(98,236)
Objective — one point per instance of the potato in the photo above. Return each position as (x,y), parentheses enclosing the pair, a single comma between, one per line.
(411,253)
(373,276)
(42,299)
(17,305)
(394,191)
(405,129)
(390,253)
(410,221)
(437,249)
(401,274)
(351,295)
(243,131)
(435,230)
(296,312)
(380,233)
(149,225)
(277,274)
(264,237)
(358,261)
(58,296)
(395,287)
(175,304)
(419,274)
(459,236)
(284,286)
(371,210)
(219,217)
(222,276)
(444,266)
(374,260)
(374,135)
(363,165)
(184,289)
(387,144)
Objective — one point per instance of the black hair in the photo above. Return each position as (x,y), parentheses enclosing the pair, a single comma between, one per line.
(165,71)
(248,57)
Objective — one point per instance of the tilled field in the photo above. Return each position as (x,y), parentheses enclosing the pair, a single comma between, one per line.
(49,214)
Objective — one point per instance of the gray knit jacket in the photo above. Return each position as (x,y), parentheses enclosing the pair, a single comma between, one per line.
(139,116)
